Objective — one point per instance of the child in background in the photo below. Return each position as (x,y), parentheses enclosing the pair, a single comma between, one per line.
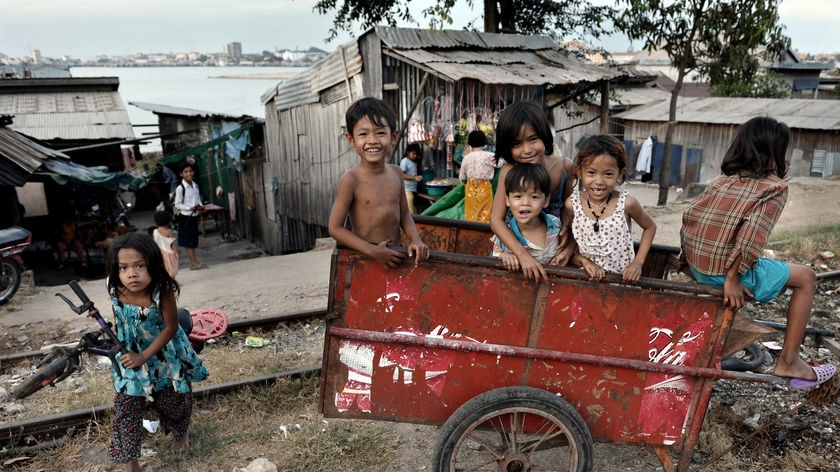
(160,364)
(528,188)
(166,241)
(726,228)
(68,239)
(410,173)
(189,206)
(371,197)
(477,171)
(601,227)
(523,135)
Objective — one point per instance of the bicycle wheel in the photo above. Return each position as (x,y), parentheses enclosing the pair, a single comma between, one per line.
(45,375)
(514,429)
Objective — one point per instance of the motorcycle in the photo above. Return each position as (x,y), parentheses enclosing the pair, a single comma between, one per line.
(13,241)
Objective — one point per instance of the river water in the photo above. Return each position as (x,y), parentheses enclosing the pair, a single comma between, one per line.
(212,89)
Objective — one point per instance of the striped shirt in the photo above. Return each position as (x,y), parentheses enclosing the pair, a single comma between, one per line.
(733,216)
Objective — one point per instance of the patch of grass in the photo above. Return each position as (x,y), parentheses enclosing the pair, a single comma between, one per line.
(807,242)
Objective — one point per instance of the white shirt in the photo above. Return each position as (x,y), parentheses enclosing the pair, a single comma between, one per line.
(187,196)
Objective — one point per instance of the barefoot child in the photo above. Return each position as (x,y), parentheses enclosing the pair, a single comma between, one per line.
(523,135)
(189,206)
(160,364)
(528,191)
(601,213)
(371,197)
(165,239)
(725,229)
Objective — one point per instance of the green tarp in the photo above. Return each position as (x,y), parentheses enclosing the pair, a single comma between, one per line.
(451,205)
(63,171)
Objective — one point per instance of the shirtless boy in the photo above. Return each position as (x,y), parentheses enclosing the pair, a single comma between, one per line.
(370,196)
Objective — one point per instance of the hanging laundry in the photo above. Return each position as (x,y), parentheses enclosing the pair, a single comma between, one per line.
(645,158)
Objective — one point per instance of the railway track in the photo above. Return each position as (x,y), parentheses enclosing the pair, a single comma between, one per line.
(48,431)
(7,361)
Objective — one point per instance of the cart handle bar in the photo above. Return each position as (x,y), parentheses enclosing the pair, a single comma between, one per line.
(545,354)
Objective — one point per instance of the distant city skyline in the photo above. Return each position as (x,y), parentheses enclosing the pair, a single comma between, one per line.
(87,28)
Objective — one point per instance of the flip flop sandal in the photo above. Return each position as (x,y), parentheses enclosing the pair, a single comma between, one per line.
(823,372)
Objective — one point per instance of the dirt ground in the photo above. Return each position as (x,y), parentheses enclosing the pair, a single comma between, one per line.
(244,283)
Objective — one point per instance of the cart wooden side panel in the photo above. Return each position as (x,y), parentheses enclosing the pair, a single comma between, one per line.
(415,343)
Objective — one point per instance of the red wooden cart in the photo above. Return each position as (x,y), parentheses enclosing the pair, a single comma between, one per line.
(522,375)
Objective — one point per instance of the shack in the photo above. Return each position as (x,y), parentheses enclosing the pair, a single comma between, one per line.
(707,125)
(83,117)
(228,152)
(440,83)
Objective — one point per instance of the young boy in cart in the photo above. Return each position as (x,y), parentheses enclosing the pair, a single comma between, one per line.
(370,195)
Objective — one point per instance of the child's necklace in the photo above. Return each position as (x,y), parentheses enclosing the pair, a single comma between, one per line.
(597,216)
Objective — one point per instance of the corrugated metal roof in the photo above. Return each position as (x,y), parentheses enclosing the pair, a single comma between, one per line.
(796,113)
(487,57)
(413,38)
(75,126)
(305,87)
(87,115)
(23,157)
(179,111)
(638,96)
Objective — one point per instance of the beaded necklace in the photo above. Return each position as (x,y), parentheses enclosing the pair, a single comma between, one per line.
(597,216)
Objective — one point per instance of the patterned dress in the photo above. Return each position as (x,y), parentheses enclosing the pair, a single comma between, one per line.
(611,247)
(175,366)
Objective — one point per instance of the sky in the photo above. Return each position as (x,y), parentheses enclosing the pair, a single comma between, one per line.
(86,28)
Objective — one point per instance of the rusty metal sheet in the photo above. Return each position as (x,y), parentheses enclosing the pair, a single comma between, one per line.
(621,354)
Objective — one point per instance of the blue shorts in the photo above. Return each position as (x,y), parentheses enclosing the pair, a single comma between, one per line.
(766,280)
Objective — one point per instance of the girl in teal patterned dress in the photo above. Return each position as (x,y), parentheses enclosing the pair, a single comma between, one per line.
(160,364)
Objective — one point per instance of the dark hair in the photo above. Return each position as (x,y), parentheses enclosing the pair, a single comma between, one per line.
(598,145)
(511,121)
(758,149)
(162,218)
(146,246)
(476,139)
(521,177)
(377,111)
(414,147)
(183,165)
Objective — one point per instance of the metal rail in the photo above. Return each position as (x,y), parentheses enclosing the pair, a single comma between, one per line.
(268,322)
(50,431)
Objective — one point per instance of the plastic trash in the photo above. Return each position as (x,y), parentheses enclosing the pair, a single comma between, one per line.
(254,341)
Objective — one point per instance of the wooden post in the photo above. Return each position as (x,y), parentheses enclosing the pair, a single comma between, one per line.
(417,97)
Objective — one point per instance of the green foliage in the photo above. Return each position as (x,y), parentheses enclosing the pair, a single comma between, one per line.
(716,38)
(764,85)
(550,17)
(722,39)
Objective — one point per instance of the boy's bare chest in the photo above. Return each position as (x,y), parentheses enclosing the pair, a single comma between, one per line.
(378,189)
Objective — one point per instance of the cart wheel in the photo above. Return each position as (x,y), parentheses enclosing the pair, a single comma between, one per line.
(514,429)
(207,324)
(752,359)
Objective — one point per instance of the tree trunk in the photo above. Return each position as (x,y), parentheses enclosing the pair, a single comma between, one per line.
(664,184)
(506,17)
(491,17)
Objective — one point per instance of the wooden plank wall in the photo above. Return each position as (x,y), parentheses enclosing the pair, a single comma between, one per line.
(715,139)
